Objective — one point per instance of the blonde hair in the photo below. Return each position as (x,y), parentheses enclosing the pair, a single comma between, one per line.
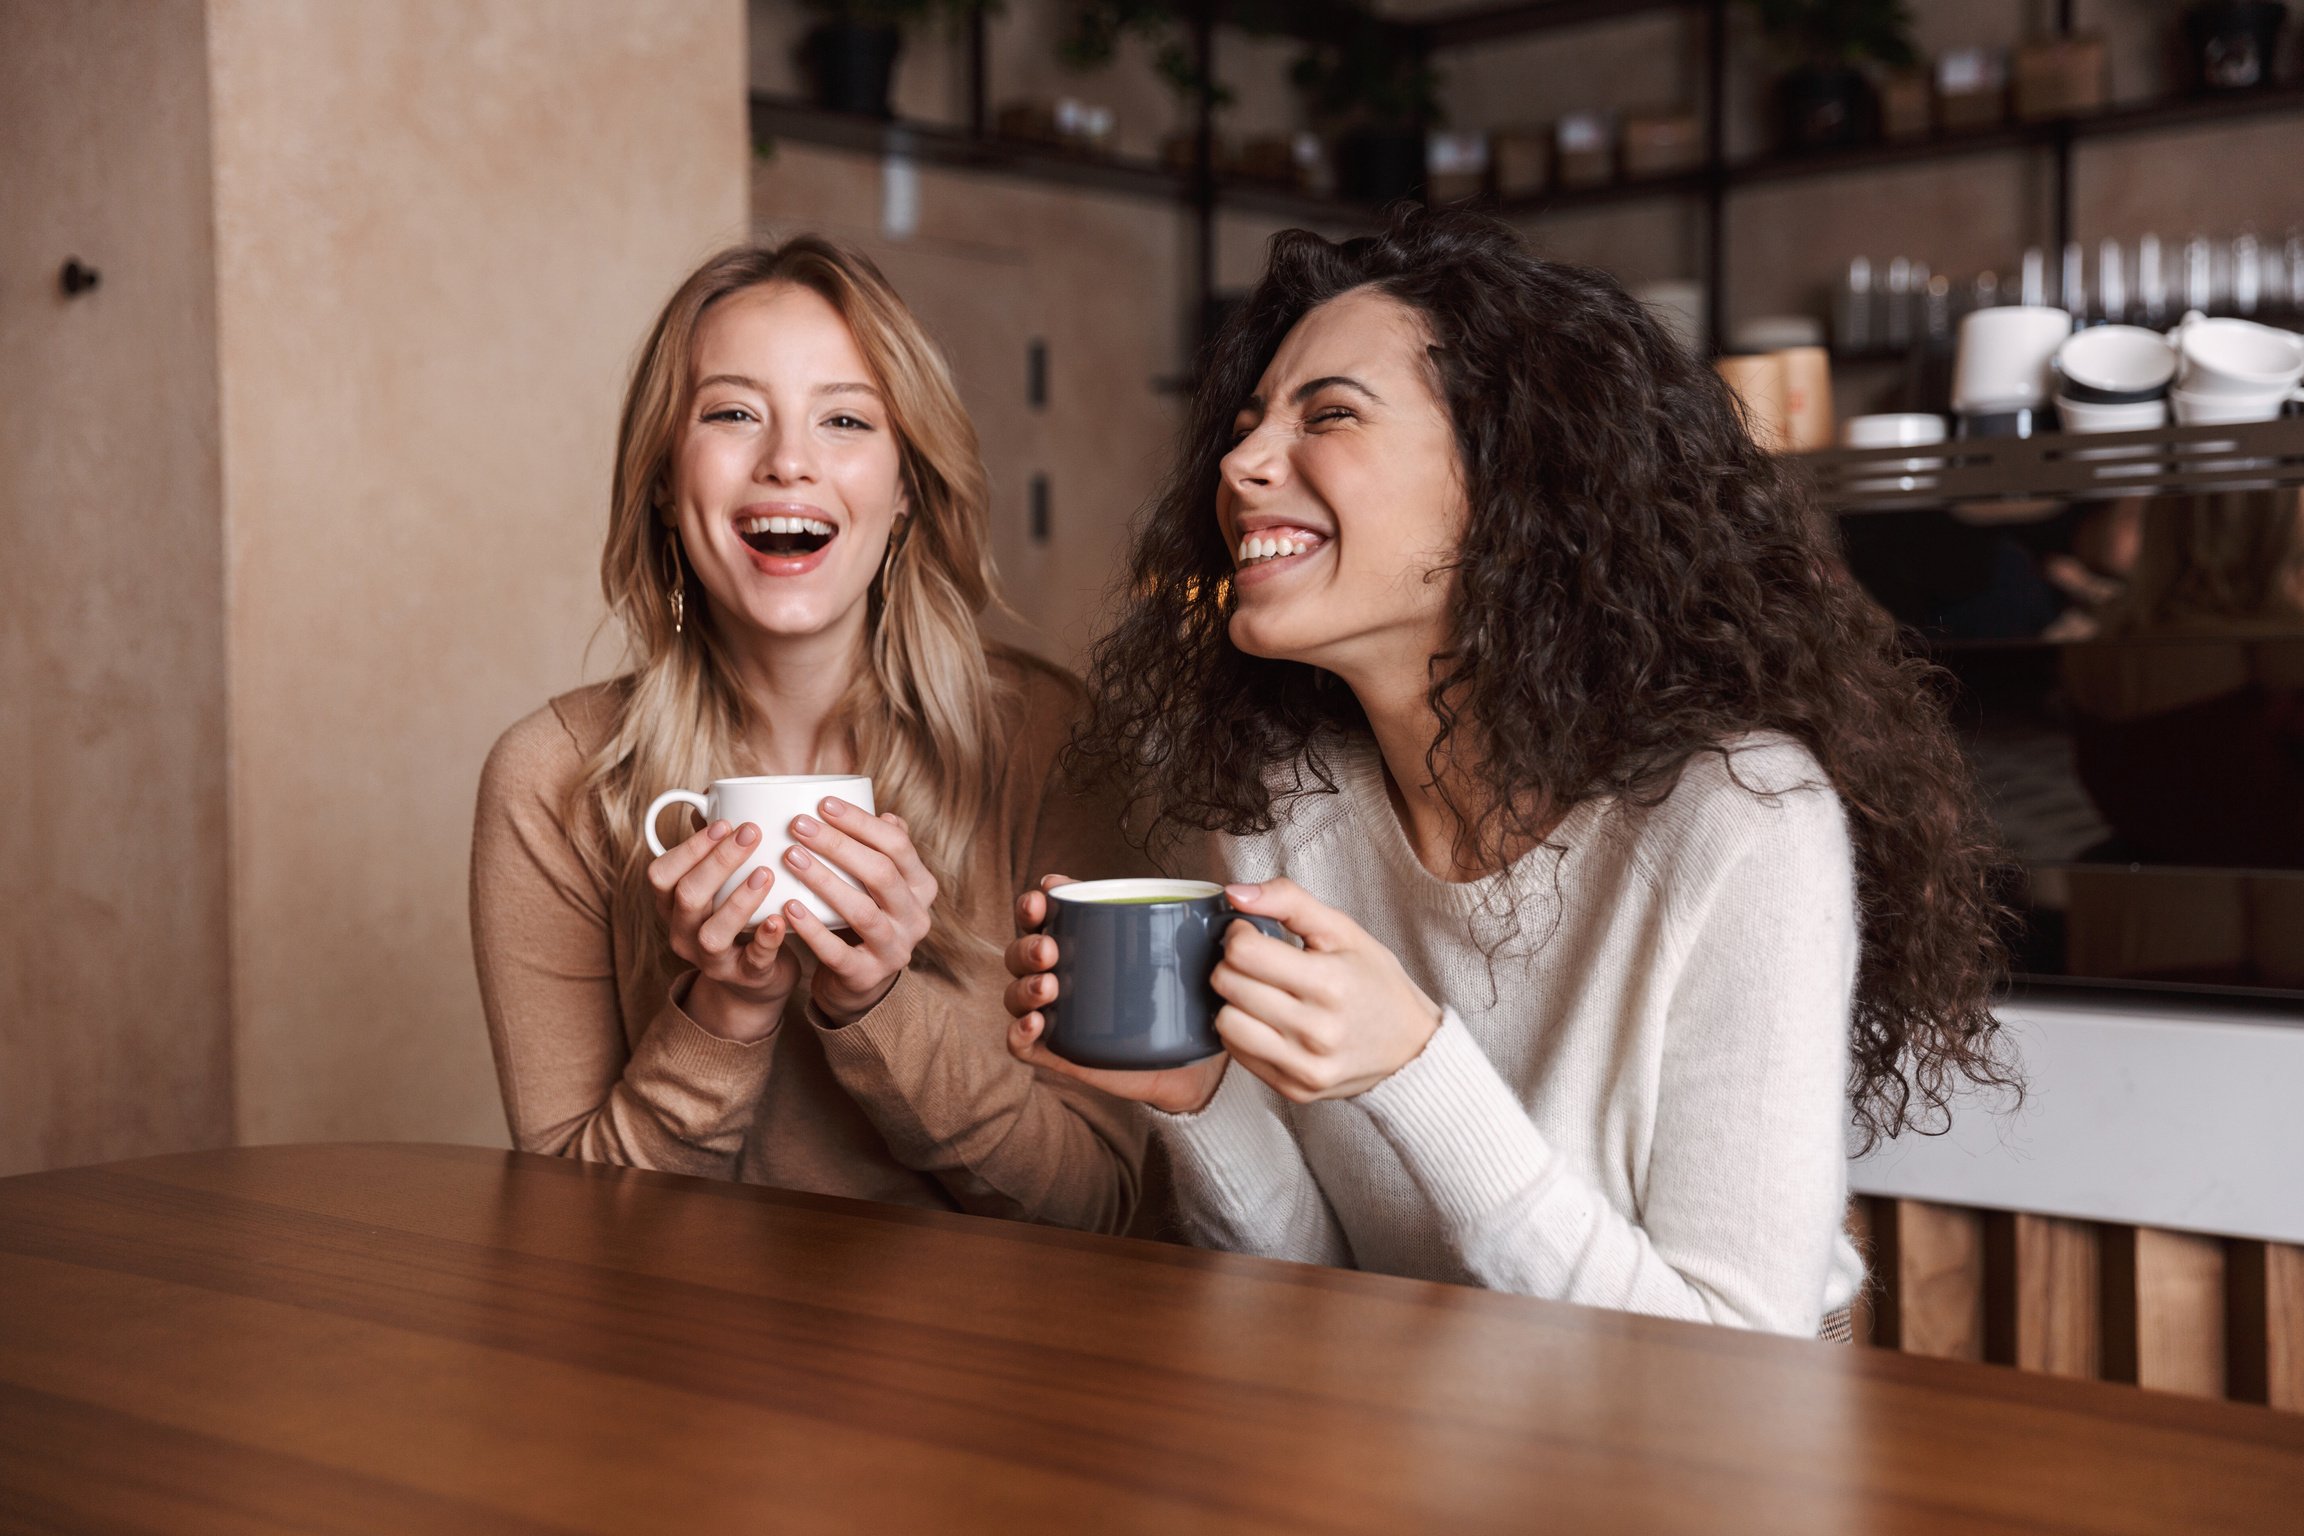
(921,709)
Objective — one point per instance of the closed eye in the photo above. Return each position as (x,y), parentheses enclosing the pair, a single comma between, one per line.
(1332,413)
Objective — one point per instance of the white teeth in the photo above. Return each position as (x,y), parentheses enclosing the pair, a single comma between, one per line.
(1253,548)
(785,525)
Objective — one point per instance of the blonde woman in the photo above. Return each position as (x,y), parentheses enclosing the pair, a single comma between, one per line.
(797,551)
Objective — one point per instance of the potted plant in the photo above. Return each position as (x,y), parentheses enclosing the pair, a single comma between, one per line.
(1824,98)
(2233,45)
(849,56)
(1090,39)
(1377,97)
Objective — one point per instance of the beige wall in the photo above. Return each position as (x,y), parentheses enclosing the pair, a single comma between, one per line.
(994,263)
(305,505)
(442,228)
(114,1030)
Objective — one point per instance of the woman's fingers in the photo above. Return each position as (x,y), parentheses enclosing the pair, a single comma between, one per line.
(1272,1005)
(885,835)
(1263,1050)
(865,864)
(866,918)
(833,952)
(1319,925)
(1028,993)
(1277,963)
(667,869)
(694,894)
(766,954)
(721,930)
(1030,955)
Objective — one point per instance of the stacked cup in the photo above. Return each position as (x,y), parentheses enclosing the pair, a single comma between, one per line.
(2234,370)
(2114,378)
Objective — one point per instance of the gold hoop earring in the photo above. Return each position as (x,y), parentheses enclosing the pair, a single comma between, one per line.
(677,582)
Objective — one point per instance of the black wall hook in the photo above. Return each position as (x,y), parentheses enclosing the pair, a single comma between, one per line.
(78,279)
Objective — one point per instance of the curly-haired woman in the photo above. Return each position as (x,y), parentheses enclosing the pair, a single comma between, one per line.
(1629,854)
(798,552)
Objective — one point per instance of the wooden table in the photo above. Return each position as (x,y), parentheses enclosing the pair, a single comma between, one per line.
(435,1339)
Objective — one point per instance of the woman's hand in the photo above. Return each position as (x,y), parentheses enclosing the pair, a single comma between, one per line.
(1178,1090)
(1327,1021)
(740,987)
(888,917)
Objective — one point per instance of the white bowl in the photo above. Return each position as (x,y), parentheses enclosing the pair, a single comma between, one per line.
(2238,357)
(2118,359)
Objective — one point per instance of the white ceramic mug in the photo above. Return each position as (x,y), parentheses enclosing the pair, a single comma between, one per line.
(769,803)
(2004,356)
(2093,416)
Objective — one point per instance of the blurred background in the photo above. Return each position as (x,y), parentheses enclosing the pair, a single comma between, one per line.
(314,319)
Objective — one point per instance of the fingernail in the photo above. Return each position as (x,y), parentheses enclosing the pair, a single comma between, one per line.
(797,858)
(834,808)
(1243,892)
(747,835)
(806,826)
(759,879)
(793,909)
(717,830)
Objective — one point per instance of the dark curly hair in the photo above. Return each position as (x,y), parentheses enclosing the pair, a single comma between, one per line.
(1638,583)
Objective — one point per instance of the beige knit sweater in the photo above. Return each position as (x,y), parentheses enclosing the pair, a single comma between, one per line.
(1637,1097)
(916,1103)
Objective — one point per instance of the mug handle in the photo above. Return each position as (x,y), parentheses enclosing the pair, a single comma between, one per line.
(1267,925)
(656,807)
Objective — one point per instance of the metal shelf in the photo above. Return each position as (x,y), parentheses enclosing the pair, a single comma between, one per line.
(2068,466)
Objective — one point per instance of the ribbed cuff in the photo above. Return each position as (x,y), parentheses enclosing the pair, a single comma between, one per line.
(1460,1131)
(700,1083)
(1232,1142)
(867,1040)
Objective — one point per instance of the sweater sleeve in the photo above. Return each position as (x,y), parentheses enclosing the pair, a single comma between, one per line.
(930,1064)
(1746,1176)
(682,1099)
(1241,1180)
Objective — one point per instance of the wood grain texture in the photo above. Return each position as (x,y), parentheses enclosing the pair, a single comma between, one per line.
(2042,1287)
(404,1338)
(1932,1263)
(2164,1310)
(2264,1299)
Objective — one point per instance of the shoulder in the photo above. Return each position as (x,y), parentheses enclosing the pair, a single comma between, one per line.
(542,754)
(1761,796)
(1036,704)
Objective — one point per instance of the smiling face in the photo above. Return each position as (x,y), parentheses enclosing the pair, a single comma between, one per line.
(787,477)
(1343,496)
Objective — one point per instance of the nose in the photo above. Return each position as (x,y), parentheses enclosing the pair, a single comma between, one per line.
(1257,465)
(787,456)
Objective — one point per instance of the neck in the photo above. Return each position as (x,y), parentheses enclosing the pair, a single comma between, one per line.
(1396,700)
(794,684)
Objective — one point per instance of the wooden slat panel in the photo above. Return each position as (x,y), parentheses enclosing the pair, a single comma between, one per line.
(1932,1269)
(2164,1310)
(2042,1286)
(2265,1298)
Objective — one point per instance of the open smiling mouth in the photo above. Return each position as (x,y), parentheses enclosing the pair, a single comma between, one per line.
(785,538)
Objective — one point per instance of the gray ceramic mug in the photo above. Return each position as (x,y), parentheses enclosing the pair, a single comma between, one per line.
(1133,958)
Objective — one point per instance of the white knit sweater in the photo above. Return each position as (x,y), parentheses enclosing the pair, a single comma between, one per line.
(1641,1105)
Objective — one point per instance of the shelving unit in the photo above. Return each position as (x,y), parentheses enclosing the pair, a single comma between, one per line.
(1204,192)
(2071,466)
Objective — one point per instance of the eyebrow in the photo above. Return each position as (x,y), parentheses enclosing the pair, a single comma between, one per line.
(1307,390)
(746,381)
